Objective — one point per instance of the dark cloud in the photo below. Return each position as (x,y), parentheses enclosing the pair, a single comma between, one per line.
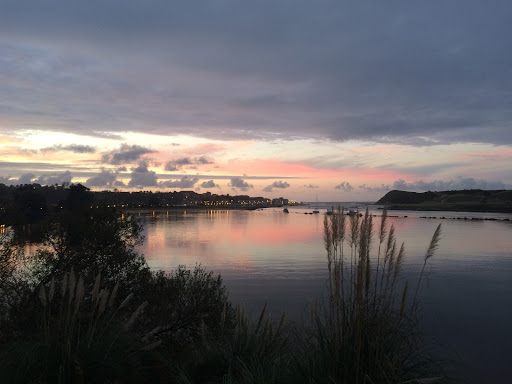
(237,182)
(52,179)
(184,182)
(183,161)
(26,178)
(311,186)
(77,148)
(5,180)
(344,186)
(105,178)
(23,179)
(142,177)
(418,73)
(381,189)
(203,160)
(208,184)
(276,184)
(126,154)
(177,164)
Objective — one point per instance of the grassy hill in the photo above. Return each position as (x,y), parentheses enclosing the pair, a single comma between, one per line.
(470,200)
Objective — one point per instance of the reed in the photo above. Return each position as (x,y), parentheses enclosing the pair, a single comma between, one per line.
(368,332)
(81,337)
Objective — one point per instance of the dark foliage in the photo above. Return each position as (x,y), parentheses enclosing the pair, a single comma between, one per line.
(101,242)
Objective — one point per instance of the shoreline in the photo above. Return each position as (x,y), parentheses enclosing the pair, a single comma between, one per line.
(449,208)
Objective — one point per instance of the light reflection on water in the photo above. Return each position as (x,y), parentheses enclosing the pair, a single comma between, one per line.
(267,256)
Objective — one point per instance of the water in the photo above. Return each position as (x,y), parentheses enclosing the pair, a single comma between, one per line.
(267,256)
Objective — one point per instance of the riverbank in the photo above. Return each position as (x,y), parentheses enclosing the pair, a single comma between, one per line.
(487,208)
(474,200)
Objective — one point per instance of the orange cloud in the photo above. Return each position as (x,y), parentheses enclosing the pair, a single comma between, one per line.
(9,140)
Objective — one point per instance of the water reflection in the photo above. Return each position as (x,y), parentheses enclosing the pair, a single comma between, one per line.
(276,258)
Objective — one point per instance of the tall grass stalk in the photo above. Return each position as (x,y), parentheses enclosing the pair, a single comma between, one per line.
(81,337)
(368,332)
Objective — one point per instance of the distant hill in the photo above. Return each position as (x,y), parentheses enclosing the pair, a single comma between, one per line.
(470,200)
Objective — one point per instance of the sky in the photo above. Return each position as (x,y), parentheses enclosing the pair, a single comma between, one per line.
(318,100)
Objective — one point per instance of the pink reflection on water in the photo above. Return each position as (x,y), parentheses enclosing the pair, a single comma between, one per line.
(225,240)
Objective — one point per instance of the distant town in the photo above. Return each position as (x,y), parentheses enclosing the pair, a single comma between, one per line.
(34,200)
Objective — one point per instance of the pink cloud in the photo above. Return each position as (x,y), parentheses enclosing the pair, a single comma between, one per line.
(200,149)
(494,154)
(272,167)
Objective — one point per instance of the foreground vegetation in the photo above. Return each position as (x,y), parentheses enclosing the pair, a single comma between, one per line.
(87,308)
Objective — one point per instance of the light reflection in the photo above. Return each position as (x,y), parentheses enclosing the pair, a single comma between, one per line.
(267,257)
(220,239)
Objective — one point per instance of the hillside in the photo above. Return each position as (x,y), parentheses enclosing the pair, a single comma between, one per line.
(471,200)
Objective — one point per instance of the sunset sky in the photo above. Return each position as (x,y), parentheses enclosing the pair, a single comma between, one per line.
(311,100)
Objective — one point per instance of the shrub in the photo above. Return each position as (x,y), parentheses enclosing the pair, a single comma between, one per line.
(101,240)
(184,303)
(249,353)
(81,338)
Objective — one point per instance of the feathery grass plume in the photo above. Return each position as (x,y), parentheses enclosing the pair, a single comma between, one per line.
(367,333)
(279,328)
(42,295)
(328,241)
(125,301)
(389,243)
(398,262)
(66,346)
(102,298)
(96,288)
(354,228)
(151,333)
(113,295)
(151,346)
(382,238)
(79,293)
(404,298)
(260,319)
(134,316)
(434,243)
(383,224)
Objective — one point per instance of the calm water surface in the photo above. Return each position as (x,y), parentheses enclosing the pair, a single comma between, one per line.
(267,256)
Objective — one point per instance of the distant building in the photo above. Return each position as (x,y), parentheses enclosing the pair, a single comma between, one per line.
(279,201)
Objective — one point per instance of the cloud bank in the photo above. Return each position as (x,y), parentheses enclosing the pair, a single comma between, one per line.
(344,186)
(238,183)
(276,184)
(418,73)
